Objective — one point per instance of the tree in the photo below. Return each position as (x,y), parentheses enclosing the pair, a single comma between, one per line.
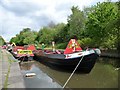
(118,27)
(29,37)
(98,19)
(76,23)
(61,33)
(26,36)
(51,24)
(15,40)
(46,35)
(2,41)
(114,25)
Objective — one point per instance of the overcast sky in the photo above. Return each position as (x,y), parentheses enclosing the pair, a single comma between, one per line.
(18,14)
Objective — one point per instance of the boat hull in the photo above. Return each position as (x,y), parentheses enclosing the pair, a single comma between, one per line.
(59,61)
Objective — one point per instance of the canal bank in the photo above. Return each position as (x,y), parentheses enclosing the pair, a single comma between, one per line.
(110,54)
(10,74)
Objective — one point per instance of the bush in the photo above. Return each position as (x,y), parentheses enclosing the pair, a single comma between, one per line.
(86,42)
(61,45)
(109,43)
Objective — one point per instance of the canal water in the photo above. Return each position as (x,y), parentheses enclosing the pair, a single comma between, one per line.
(103,75)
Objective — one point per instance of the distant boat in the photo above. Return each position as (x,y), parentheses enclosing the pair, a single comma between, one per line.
(69,58)
(23,52)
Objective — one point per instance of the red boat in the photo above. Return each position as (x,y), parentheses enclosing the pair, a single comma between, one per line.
(23,52)
(69,58)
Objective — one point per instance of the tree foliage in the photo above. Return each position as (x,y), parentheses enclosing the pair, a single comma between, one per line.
(98,19)
(46,35)
(26,36)
(76,22)
(95,26)
(61,33)
(2,41)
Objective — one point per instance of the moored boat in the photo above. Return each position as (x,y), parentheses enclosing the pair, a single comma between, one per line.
(23,52)
(69,58)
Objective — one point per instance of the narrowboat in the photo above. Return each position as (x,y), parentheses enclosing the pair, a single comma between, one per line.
(23,52)
(69,58)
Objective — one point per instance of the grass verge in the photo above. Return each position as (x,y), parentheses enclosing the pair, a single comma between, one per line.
(6,80)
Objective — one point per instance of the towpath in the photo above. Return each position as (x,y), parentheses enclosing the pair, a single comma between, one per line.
(10,74)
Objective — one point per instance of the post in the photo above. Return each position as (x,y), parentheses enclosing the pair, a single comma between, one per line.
(53,46)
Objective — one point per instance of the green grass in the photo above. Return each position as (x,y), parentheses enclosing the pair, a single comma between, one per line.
(6,80)
(7,76)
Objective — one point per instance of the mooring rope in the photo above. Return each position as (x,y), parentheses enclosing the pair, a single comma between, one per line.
(73,72)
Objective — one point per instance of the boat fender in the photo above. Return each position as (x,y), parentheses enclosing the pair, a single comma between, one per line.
(97,51)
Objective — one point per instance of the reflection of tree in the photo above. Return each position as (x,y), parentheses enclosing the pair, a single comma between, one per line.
(111,61)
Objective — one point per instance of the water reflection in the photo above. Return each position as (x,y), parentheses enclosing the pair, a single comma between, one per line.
(103,75)
(41,80)
(111,61)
